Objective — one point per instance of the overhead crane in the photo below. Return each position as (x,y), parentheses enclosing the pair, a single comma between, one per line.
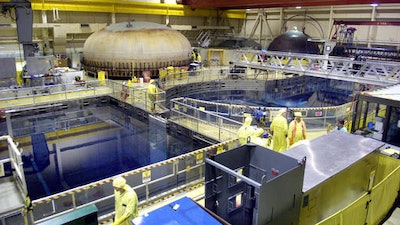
(372,72)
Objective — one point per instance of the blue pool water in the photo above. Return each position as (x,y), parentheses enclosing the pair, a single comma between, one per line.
(259,98)
(94,149)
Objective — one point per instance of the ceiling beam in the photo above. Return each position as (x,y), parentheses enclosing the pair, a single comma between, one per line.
(248,4)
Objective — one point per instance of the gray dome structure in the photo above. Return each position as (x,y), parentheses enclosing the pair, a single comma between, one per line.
(129,48)
(294,41)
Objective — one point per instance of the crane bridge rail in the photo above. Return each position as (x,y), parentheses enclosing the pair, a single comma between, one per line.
(373,72)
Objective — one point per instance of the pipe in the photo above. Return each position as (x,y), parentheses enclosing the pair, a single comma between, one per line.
(227,170)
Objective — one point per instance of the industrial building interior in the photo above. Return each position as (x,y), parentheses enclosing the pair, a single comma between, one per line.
(157,91)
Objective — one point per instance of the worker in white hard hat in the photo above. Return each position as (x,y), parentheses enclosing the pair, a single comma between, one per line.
(243,132)
(279,131)
(248,133)
(126,202)
(297,129)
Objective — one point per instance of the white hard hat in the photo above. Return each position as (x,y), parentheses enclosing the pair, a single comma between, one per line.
(297,114)
(119,182)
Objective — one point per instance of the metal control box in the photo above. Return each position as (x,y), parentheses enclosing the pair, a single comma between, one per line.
(254,185)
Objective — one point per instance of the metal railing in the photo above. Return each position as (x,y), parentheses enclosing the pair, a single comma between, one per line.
(17,169)
(178,174)
(214,73)
(20,97)
(204,122)
(135,94)
(227,118)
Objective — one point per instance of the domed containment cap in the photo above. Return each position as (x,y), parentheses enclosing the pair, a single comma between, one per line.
(124,48)
(294,41)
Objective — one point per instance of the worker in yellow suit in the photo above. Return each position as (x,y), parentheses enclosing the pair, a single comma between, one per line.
(297,129)
(152,95)
(248,133)
(126,202)
(244,131)
(196,57)
(279,131)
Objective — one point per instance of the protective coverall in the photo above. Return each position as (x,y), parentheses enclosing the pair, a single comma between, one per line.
(279,131)
(152,95)
(126,202)
(196,57)
(297,129)
(246,131)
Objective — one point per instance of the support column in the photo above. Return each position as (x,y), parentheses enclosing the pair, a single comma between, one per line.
(60,40)
(371,28)
(45,35)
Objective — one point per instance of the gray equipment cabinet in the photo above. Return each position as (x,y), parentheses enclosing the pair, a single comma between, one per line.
(252,185)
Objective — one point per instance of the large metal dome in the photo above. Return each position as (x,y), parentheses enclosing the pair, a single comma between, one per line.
(132,47)
(294,41)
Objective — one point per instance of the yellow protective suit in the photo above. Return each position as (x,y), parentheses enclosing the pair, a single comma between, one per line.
(196,57)
(244,131)
(297,131)
(152,95)
(279,131)
(247,132)
(126,202)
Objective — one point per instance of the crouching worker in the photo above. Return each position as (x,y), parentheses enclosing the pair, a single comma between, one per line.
(126,202)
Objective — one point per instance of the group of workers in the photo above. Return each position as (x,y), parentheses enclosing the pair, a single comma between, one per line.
(152,90)
(284,134)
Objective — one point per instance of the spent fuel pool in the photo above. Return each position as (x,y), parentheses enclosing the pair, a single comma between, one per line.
(68,147)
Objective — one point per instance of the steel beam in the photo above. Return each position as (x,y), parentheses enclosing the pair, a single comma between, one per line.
(245,4)
(340,68)
(125,6)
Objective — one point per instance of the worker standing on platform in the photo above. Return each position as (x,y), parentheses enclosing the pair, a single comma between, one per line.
(152,94)
(248,133)
(196,57)
(297,129)
(279,131)
(340,126)
(126,202)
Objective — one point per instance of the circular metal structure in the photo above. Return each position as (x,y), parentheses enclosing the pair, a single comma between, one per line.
(129,48)
(294,41)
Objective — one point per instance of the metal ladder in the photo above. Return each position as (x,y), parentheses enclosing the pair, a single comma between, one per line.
(373,72)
